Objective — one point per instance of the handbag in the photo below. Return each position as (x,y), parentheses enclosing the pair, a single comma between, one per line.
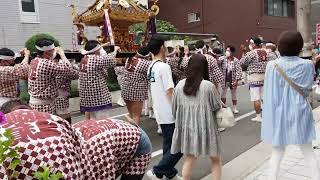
(317,90)
(225,117)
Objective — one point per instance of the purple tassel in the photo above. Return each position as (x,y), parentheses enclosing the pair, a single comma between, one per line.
(152,26)
(105,31)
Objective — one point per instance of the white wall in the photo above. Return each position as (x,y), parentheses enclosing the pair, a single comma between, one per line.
(55,19)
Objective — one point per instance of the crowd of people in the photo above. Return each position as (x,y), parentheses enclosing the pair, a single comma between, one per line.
(187,86)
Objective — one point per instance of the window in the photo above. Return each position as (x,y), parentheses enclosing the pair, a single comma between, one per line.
(283,8)
(29,11)
(193,17)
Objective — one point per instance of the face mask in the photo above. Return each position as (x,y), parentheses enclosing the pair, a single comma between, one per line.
(103,52)
(250,47)
(228,53)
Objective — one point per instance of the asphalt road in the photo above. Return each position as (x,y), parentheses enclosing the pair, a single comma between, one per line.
(235,140)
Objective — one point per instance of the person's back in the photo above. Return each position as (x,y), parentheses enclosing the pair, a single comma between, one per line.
(290,105)
(95,97)
(161,86)
(162,82)
(287,117)
(195,102)
(44,140)
(124,147)
(11,73)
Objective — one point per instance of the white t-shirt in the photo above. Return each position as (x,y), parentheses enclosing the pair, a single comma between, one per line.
(161,81)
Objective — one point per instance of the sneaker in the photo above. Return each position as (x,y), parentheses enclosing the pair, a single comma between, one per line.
(151,176)
(121,102)
(221,129)
(235,110)
(151,115)
(256,119)
(159,131)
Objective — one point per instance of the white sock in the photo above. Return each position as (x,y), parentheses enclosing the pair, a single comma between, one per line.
(258,115)
(274,165)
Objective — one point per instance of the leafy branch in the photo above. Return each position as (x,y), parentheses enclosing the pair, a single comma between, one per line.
(8,151)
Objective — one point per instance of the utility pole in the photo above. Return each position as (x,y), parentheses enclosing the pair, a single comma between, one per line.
(304,25)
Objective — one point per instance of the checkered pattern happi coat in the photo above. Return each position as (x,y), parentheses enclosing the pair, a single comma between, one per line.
(109,147)
(236,70)
(64,87)
(215,74)
(273,56)
(176,68)
(257,61)
(49,108)
(42,77)
(184,63)
(135,83)
(45,141)
(9,79)
(92,78)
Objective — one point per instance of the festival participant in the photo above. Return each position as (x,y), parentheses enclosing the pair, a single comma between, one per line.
(62,101)
(95,98)
(287,114)
(174,59)
(271,49)
(42,85)
(232,72)
(215,74)
(256,61)
(135,84)
(160,77)
(11,73)
(44,140)
(123,149)
(195,102)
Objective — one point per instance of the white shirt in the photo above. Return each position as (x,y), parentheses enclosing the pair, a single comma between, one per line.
(161,81)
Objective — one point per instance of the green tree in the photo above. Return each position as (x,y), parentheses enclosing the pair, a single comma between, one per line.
(30,43)
(162,26)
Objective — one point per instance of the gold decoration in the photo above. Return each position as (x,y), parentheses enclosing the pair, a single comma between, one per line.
(121,19)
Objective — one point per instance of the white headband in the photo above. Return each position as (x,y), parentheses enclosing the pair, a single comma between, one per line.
(84,52)
(146,56)
(45,48)
(200,50)
(3,57)
(270,44)
(172,53)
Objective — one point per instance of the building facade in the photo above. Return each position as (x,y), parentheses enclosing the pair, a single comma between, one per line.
(20,19)
(233,21)
(315,17)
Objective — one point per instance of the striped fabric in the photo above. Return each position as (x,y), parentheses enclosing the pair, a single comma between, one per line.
(287,116)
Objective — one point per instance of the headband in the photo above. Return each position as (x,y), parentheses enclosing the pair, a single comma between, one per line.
(270,44)
(84,52)
(45,48)
(172,53)
(201,49)
(146,56)
(3,57)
